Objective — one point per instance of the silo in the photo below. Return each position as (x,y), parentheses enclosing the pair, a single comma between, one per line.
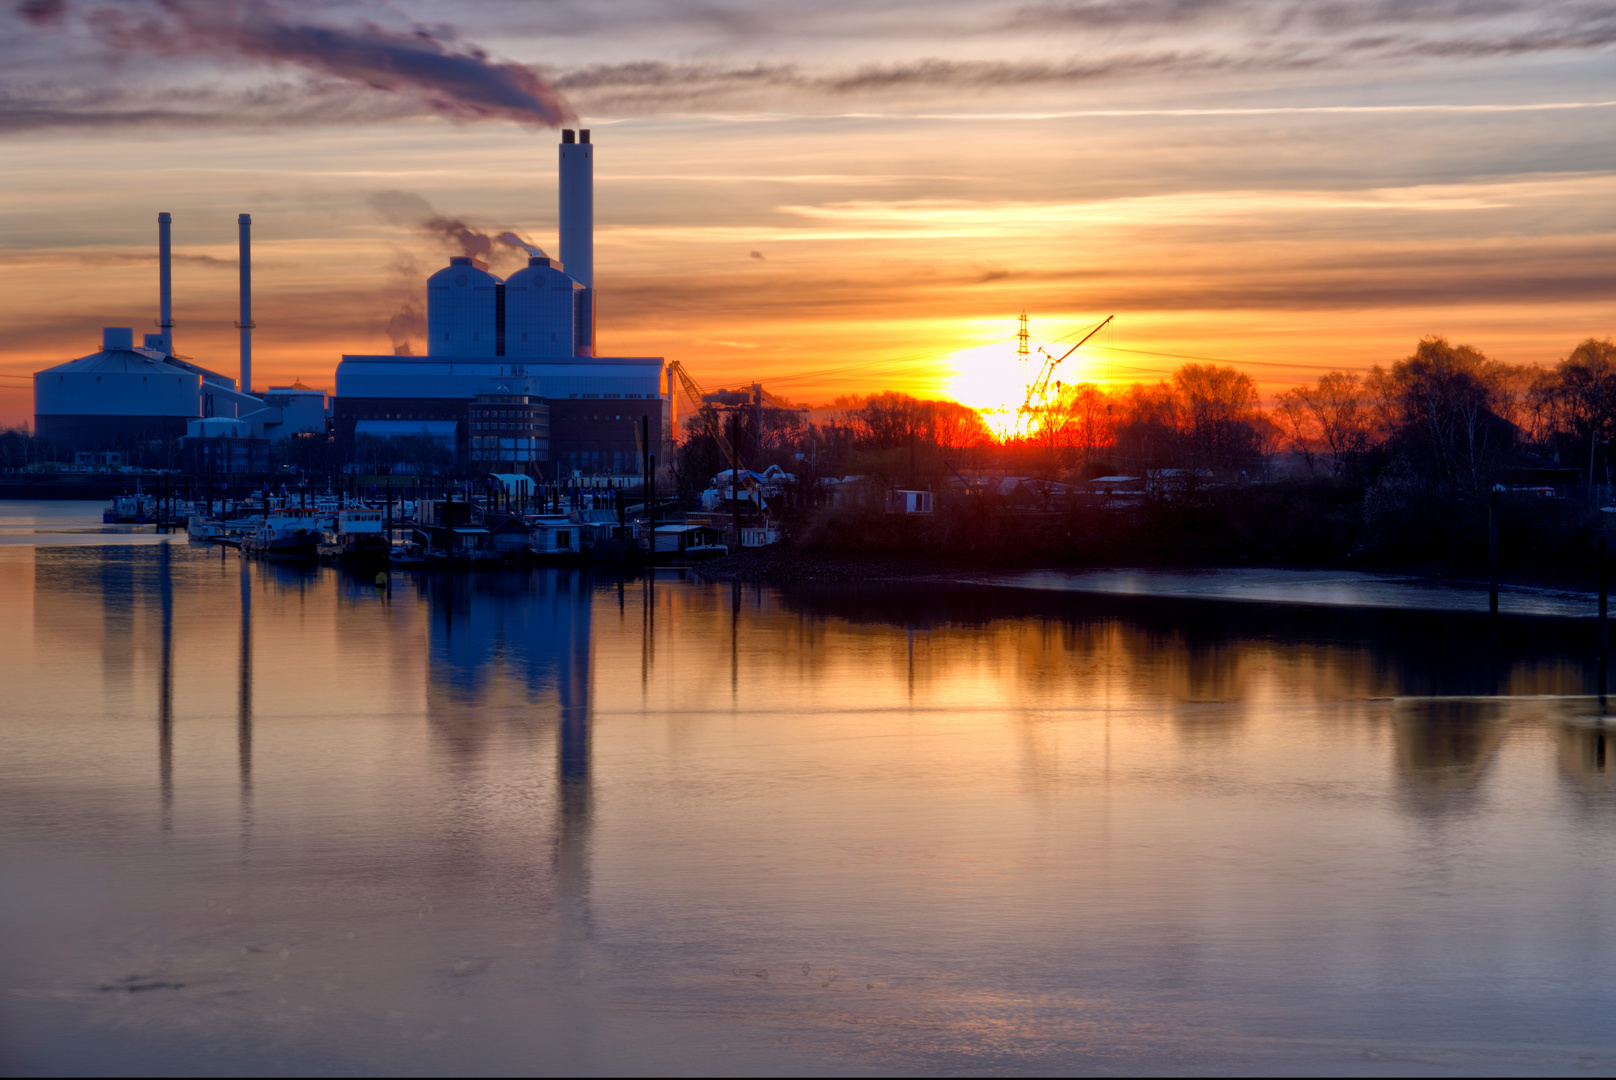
(539,310)
(461,310)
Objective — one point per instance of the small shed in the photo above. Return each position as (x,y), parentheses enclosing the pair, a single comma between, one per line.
(902,501)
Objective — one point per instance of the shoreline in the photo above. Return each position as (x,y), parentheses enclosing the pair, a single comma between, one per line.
(1460,594)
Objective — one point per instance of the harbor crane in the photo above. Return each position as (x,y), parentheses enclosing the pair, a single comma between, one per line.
(694,392)
(1038,391)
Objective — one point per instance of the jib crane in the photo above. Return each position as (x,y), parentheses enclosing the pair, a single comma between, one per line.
(693,391)
(1039,390)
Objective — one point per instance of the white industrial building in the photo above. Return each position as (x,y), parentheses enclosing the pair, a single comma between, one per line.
(536,327)
(490,342)
(127,394)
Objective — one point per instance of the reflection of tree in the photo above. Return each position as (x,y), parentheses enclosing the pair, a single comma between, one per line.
(1587,752)
(1444,747)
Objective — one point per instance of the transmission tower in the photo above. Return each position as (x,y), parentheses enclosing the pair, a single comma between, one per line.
(1022,356)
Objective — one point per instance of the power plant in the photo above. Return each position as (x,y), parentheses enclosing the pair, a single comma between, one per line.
(510,379)
(128,394)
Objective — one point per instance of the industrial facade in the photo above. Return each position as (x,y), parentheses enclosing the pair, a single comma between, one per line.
(127,395)
(581,414)
(531,336)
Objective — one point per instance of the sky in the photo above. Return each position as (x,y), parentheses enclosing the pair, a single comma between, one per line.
(830,197)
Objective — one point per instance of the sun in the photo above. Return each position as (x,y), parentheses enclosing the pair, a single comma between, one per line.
(986,378)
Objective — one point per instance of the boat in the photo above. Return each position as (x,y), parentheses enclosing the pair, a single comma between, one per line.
(285,536)
(686,541)
(555,538)
(407,554)
(359,536)
(203,528)
(136,509)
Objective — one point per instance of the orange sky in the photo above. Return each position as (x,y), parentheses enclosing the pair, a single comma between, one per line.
(1278,194)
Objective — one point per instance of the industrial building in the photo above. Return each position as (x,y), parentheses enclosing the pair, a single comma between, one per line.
(127,395)
(510,379)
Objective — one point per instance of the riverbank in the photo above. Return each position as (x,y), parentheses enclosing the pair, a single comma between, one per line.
(779,564)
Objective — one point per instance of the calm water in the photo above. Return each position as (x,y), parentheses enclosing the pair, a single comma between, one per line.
(266,820)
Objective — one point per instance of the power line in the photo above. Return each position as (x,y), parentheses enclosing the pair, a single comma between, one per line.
(905,358)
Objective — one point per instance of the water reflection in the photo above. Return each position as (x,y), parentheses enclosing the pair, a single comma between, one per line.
(443,827)
(1444,748)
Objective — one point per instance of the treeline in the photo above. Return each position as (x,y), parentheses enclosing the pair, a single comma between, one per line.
(1447,413)
(1390,465)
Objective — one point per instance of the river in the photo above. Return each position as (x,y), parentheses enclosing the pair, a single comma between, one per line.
(261,819)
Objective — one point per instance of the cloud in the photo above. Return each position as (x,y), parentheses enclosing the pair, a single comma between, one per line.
(64,65)
(105,258)
(429,65)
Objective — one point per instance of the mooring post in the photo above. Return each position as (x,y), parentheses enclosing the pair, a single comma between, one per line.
(1604,612)
(1492,552)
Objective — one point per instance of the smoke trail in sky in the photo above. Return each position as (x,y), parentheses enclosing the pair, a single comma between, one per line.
(512,240)
(408,210)
(452,76)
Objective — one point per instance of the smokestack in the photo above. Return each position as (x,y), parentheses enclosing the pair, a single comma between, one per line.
(578,231)
(244,223)
(165,283)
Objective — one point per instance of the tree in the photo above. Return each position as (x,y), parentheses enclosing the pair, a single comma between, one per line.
(1332,418)
(1219,410)
(1442,407)
(1576,402)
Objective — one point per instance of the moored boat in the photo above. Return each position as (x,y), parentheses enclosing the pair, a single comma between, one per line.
(358,536)
(287,536)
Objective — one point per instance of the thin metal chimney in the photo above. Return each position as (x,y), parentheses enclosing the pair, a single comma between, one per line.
(165,283)
(244,223)
(577,189)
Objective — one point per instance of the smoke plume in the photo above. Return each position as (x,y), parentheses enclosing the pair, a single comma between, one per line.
(407,210)
(430,63)
(512,240)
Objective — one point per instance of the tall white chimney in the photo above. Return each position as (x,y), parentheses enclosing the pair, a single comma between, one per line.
(165,282)
(244,224)
(578,230)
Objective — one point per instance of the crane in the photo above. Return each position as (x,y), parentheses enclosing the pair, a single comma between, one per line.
(1039,389)
(714,428)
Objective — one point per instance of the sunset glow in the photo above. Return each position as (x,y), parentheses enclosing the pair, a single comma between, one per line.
(865,202)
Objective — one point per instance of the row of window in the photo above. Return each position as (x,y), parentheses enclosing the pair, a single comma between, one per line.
(493,442)
(510,455)
(506,426)
(619,462)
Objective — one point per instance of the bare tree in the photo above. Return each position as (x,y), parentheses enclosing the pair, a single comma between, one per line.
(1333,418)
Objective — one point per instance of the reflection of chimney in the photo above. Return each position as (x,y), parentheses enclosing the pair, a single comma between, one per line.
(244,223)
(577,215)
(165,283)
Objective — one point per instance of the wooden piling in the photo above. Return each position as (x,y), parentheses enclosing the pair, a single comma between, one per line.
(1492,552)
(1604,608)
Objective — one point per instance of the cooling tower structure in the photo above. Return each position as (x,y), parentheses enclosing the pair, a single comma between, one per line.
(463,313)
(496,349)
(541,304)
